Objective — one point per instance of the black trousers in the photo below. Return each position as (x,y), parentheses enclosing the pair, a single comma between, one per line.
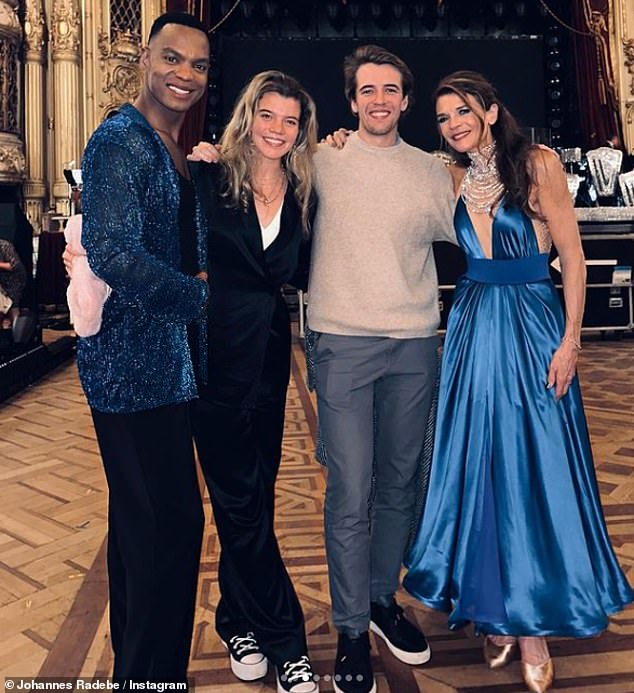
(155,525)
(239,451)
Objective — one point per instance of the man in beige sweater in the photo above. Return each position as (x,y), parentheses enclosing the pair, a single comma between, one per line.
(374,310)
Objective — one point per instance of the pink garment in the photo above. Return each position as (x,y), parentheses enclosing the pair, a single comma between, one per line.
(86,293)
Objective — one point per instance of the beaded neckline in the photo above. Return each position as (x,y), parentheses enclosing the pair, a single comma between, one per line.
(481,187)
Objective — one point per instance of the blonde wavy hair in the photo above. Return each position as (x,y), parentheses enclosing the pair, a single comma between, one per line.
(238,150)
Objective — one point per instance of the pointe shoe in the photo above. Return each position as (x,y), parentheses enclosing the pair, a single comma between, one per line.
(498,656)
(538,678)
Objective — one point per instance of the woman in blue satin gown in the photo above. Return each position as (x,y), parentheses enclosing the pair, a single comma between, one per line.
(513,537)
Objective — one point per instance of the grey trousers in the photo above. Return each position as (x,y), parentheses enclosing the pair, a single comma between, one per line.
(373,397)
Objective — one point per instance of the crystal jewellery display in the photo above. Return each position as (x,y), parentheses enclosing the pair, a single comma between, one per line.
(605,164)
(626,183)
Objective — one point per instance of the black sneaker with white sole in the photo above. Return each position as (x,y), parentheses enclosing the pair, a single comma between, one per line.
(404,640)
(353,667)
(296,677)
(246,659)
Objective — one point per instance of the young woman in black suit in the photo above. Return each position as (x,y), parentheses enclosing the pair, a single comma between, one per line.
(258,202)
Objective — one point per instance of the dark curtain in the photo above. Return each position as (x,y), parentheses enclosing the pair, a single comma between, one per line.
(600,120)
(194,125)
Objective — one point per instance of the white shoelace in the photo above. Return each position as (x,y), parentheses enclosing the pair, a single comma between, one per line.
(242,644)
(298,671)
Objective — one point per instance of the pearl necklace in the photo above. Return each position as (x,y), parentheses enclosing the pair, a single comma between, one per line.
(481,187)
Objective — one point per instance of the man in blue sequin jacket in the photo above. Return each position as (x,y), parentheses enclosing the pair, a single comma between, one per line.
(139,223)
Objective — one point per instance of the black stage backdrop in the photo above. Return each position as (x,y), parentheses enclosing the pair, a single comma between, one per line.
(515,66)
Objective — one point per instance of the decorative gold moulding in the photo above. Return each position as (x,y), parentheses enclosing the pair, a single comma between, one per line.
(126,46)
(12,160)
(9,23)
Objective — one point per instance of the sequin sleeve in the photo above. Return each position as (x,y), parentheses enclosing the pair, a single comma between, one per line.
(113,204)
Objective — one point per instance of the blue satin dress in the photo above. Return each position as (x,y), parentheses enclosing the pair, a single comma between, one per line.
(513,537)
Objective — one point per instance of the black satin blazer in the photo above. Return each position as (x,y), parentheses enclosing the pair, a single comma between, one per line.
(245,287)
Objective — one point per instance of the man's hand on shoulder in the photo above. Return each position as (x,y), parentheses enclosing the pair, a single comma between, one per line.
(337,139)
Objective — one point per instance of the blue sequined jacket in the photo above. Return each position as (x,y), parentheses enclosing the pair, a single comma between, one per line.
(140,358)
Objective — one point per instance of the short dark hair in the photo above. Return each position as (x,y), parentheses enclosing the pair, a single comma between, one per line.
(377,56)
(181,18)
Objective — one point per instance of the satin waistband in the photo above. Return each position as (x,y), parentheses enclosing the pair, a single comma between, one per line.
(521,270)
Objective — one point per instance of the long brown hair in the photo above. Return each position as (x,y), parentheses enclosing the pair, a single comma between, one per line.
(512,147)
(238,149)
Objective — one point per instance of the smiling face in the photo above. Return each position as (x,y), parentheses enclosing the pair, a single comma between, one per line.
(176,64)
(275,125)
(378,102)
(463,123)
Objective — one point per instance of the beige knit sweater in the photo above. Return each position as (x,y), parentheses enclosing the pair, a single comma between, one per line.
(372,269)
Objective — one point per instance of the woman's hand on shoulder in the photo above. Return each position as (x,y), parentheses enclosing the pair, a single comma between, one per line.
(205,151)
(337,139)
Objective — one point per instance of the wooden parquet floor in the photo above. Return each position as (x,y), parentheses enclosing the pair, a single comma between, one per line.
(53,600)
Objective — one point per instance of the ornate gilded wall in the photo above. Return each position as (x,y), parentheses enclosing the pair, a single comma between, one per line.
(35,132)
(64,64)
(115,31)
(623,54)
(12,163)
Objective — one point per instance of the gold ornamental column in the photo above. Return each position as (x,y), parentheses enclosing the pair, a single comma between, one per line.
(12,164)
(67,116)
(112,37)
(34,117)
(623,52)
